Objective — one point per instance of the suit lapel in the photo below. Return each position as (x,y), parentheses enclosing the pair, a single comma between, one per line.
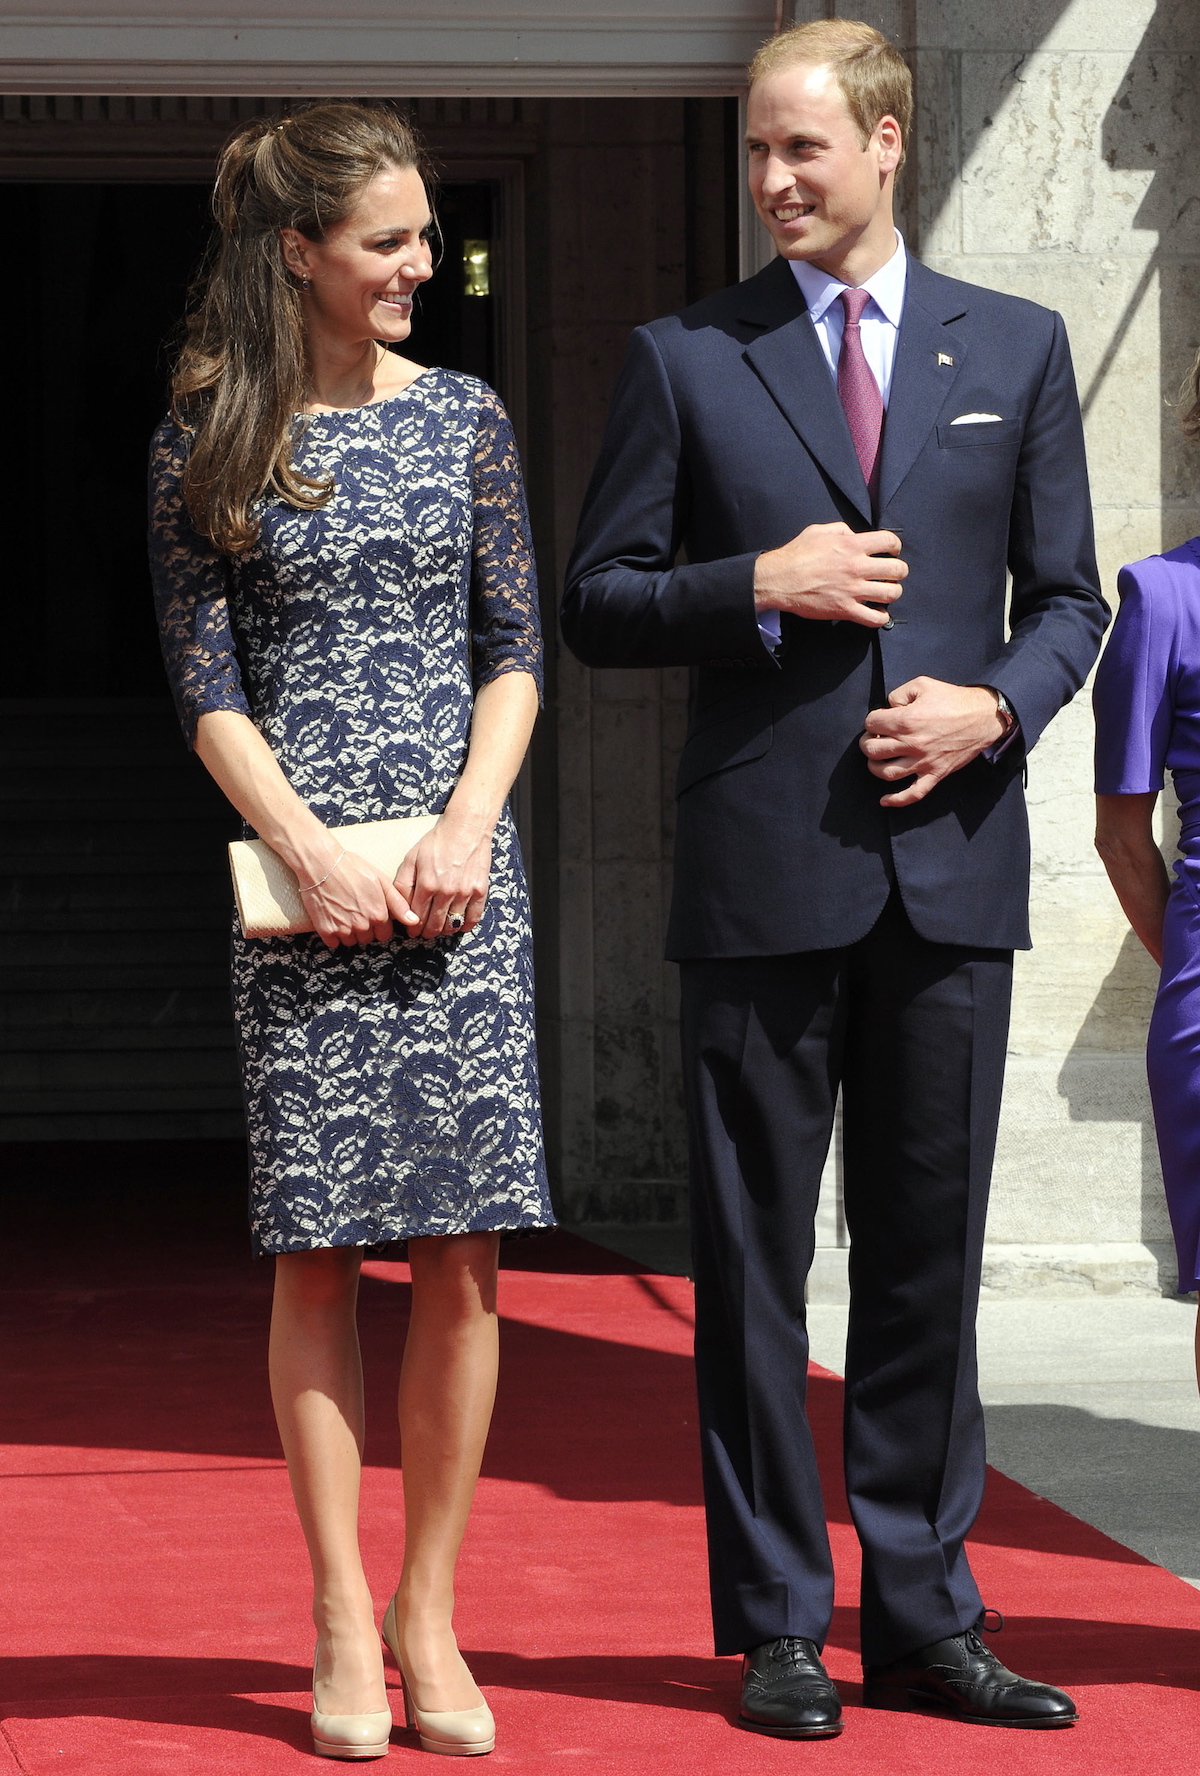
(788,360)
(921,379)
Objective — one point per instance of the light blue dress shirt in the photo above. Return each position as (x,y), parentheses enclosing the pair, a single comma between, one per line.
(880,318)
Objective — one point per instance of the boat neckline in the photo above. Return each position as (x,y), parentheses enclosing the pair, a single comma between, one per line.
(332,412)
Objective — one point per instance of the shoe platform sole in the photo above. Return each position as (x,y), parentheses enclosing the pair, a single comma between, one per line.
(906,1702)
(349,1754)
(780,1732)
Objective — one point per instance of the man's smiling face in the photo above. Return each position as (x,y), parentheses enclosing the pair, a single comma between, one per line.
(818,188)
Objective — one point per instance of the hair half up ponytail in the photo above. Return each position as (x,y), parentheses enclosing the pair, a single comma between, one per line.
(240,379)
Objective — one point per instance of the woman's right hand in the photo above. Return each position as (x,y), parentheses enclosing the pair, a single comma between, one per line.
(356,904)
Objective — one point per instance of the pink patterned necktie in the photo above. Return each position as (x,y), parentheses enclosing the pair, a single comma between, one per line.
(859,391)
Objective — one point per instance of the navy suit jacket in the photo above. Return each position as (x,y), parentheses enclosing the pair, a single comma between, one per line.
(726,437)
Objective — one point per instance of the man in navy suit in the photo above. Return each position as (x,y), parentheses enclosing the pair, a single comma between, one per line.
(810,491)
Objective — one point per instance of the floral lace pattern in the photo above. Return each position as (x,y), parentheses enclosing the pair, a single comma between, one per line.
(391,1090)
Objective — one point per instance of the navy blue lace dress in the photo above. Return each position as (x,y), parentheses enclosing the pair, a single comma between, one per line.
(391,1089)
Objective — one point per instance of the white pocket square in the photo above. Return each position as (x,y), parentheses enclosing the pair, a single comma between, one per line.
(977,419)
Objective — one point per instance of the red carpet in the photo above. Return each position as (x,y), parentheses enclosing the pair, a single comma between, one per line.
(155,1615)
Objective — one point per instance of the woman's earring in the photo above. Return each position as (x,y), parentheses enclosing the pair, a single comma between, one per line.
(305,283)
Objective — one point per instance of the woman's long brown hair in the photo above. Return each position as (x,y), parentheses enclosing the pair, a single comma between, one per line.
(240,380)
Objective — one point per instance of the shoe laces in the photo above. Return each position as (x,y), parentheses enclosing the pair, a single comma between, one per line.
(792,1651)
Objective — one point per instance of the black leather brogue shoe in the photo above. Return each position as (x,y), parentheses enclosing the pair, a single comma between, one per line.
(786,1692)
(963,1678)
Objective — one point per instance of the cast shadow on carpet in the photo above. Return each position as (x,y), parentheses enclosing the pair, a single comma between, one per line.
(177,1364)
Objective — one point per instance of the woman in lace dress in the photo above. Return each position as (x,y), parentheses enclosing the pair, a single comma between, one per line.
(348,613)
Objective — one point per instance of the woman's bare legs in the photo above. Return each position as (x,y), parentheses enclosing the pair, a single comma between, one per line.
(447,1389)
(316,1385)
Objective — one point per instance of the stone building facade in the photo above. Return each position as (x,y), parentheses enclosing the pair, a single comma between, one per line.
(1052,158)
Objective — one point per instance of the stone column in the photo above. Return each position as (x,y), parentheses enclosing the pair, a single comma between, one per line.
(627,207)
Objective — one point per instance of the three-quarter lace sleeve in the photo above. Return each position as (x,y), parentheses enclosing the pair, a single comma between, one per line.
(191,594)
(506,633)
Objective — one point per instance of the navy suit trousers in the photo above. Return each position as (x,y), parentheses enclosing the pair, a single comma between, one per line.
(914,1033)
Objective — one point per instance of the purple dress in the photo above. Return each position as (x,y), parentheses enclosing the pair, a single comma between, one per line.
(1147,703)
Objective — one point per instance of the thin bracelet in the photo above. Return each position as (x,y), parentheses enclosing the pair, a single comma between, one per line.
(327,874)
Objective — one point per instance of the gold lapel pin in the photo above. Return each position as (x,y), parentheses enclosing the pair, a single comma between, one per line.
(945,358)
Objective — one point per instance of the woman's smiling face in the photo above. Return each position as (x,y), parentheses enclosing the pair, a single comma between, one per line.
(362,276)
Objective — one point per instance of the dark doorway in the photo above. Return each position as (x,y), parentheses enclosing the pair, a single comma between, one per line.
(90,326)
(114,997)
(454,324)
(105,275)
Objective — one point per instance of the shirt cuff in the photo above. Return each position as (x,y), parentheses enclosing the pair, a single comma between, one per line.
(995,752)
(998,748)
(768,628)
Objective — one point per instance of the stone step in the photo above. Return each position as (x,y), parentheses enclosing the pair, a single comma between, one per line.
(133,807)
(52,950)
(91,1071)
(89,976)
(44,869)
(137,1098)
(136,777)
(127,835)
(166,916)
(1104,1267)
(79,718)
(115,908)
(84,805)
(73,1010)
(111,895)
(221,1122)
(117,1038)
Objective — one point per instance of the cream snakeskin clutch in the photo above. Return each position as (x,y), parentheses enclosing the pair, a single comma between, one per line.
(268,894)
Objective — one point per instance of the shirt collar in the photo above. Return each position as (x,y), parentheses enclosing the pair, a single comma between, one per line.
(886,287)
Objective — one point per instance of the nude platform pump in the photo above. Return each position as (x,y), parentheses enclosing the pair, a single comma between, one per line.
(458,1732)
(350,1736)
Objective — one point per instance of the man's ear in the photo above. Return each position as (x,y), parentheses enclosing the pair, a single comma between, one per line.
(890,143)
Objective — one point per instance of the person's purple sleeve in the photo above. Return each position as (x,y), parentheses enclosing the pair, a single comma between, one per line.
(1133,695)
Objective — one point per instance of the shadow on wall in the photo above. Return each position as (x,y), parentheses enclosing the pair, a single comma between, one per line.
(1153,124)
(945,137)
(1104,1079)
(1104,1075)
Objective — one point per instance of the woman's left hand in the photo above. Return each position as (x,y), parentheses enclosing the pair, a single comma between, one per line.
(445,877)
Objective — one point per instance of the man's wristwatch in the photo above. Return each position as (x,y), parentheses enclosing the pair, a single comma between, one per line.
(1004,709)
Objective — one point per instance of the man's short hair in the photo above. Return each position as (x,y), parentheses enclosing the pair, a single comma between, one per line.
(874,77)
